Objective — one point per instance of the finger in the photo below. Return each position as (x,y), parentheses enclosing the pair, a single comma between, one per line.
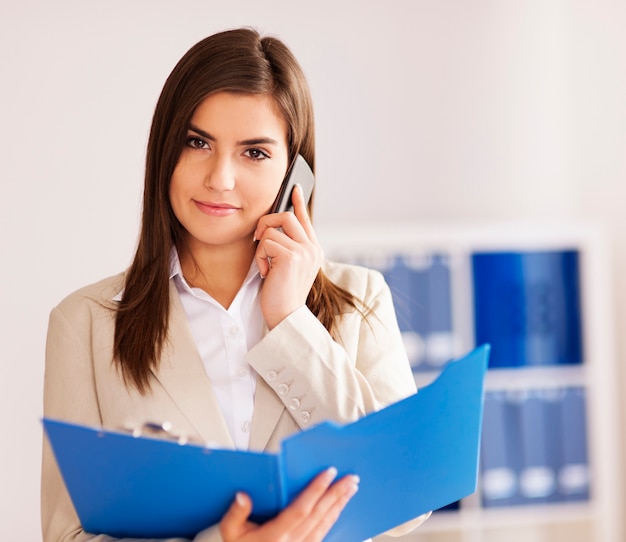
(314,512)
(266,253)
(298,203)
(301,211)
(262,262)
(300,509)
(285,220)
(330,506)
(235,521)
(286,224)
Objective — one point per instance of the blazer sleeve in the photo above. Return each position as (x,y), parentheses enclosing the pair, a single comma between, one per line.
(70,394)
(319,378)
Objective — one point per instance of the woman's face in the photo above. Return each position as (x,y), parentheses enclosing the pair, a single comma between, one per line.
(231,168)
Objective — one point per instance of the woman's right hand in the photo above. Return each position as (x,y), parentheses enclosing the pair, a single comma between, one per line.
(307,519)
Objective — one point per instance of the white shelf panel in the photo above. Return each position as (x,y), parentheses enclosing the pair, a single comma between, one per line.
(524,378)
(509,517)
(596,520)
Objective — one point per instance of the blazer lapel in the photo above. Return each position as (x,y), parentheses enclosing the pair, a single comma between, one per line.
(184,379)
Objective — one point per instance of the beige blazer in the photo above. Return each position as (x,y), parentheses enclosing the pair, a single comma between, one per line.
(304,377)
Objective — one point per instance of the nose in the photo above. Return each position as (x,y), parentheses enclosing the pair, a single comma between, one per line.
(220,174)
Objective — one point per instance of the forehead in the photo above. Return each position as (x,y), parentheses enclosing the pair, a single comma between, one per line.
(227,114)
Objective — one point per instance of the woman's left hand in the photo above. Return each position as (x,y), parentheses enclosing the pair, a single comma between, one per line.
(288,260)
(307,519)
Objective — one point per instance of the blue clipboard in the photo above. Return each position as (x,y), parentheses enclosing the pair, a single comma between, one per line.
(416,455)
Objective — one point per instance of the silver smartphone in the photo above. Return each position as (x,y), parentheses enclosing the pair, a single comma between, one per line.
(299,173)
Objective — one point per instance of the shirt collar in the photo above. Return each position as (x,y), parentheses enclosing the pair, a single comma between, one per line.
(175,268)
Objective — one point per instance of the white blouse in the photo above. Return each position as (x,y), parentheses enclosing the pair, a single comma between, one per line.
(223,337)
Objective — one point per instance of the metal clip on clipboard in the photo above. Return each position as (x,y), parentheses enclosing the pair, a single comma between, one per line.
(163,430)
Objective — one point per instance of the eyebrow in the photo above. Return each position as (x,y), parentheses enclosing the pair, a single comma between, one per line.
(252,141)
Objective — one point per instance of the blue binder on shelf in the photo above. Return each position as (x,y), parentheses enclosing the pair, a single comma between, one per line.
(500,450)
(420,284)
(574,475)
(416,455)
(540,424)
(527,306)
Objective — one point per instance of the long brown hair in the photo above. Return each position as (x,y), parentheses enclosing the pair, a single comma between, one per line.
(239,61)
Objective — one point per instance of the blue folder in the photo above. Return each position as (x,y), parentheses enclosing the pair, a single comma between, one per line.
(416,455)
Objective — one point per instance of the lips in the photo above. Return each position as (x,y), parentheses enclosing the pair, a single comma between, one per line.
(215,209)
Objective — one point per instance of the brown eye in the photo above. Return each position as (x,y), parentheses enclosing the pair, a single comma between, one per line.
(196,143)
(257,154)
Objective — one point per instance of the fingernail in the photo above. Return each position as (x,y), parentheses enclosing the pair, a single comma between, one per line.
(351,490)
(332,473)
(241,500)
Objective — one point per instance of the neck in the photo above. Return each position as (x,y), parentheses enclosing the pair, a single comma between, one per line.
(218,270)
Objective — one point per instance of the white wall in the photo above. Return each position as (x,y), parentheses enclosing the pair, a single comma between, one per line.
(430,110)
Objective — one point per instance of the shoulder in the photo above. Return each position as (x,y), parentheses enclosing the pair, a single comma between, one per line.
(97,296)
(360,281)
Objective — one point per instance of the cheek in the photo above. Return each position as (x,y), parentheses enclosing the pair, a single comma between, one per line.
(268,195)
(271,193)
(180,179)
(260,190)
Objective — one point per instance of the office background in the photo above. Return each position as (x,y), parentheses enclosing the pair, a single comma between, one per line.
(434,112)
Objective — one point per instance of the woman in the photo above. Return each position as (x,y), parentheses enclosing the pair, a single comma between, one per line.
(228,324)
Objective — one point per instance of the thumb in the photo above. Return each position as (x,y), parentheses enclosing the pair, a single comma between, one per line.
(234,522)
